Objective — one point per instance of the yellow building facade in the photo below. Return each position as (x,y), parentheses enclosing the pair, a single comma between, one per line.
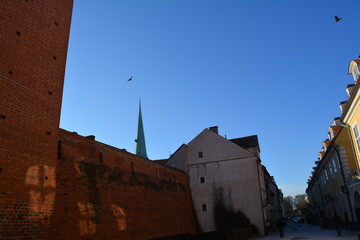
(327,190)
(345,156)
(350,120)
(334,185)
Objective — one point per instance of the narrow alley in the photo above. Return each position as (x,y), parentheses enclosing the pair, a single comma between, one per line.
(307,231)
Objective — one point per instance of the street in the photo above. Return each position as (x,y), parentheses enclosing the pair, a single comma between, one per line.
(307,231)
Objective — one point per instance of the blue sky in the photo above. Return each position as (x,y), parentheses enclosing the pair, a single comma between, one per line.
(277,69)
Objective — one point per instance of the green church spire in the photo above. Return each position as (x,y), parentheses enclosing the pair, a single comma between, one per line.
(140,149)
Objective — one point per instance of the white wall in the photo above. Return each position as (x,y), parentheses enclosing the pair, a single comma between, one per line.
(228,166)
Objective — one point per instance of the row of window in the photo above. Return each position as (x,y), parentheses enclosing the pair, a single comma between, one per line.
(333,167)
(330,170)
(202,180)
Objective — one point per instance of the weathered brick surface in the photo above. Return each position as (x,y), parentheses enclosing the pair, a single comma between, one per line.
(33,46)
(106,193)
(55,184)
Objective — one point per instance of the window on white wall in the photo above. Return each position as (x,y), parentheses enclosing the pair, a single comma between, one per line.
(200,154)
(203,207)
(357,136)
(202,179)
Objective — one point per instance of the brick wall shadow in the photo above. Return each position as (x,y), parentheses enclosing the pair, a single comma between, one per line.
(81,211)
(66,216)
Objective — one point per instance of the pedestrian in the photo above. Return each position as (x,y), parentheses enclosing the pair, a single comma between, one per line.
(280,226)
(337,223)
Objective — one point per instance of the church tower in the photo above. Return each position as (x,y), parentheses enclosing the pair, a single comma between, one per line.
(140,149)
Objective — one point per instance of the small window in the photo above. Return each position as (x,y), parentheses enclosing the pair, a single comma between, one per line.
(337,163)
(331,174)
(355,73)
(200,154)
(357,136)
(334,165)
(202,179)
(326,175)
(322,179)
(203,207)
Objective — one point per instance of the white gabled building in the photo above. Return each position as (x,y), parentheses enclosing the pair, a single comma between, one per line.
(224,172)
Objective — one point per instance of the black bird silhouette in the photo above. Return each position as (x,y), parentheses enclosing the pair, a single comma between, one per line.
(337,18)
(130,79)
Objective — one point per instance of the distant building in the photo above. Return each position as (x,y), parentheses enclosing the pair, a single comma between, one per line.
(273,202)
(225,173)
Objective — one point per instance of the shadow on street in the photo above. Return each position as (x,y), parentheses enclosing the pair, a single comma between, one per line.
(307,231)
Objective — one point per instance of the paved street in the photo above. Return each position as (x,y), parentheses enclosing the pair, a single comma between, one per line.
(306,231)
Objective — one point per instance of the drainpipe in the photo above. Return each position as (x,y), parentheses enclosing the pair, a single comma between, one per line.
(336,147)
(261,199)
(280,212)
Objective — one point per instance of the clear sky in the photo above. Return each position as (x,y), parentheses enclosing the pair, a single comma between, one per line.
(277,69)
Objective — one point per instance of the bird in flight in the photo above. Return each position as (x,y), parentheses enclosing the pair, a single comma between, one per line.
(130,78)
(337,18)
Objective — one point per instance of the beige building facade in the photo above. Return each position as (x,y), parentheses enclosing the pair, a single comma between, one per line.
(225,173)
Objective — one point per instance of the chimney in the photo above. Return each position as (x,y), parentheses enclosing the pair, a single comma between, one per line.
(214,129)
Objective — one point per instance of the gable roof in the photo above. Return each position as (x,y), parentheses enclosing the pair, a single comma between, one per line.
(221,147)
(174,154)
(182,146)
(246,142)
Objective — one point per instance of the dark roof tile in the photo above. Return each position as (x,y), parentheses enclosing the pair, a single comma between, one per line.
(246,142)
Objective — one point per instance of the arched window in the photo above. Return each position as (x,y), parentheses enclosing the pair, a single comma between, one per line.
(356,73)
(354,70)
(356,135)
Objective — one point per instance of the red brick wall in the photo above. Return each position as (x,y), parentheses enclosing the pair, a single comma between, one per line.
(106,193)
(55,184)
(33,46)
